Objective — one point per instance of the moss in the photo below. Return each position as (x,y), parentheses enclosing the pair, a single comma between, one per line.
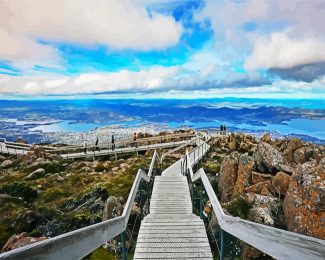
(20,189)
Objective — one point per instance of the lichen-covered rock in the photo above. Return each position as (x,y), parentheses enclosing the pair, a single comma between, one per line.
(281,182)
(260,177)
(266,138)
(113,207)
(263,208)
(20,240)
(269,159)
(304,203)
(299,156)
(228,176)
(245,168)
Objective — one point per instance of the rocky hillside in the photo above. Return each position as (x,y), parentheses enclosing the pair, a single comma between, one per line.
(279,183)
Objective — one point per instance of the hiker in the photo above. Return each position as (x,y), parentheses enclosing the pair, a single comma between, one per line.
(225,129)
(113,143)
(221,129)
(85,146)
(96,145)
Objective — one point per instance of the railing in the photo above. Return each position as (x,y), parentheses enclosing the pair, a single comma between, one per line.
(277,243)
(79,243)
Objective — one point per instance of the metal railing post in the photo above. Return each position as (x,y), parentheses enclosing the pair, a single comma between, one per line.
(221,244)
(123,245)
(201,200)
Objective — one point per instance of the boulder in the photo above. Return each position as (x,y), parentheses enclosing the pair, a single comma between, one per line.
(245,168)
(299,156)
(6,163)
(263,208)
(281,183)
(228,176)
(2,158)
(113,207)
(269,159)
(20,240)
(292,146)
(260,177)
(39,173)
(304,202)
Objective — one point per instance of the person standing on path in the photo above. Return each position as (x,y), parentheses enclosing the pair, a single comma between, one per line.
(96,145)
(113,143)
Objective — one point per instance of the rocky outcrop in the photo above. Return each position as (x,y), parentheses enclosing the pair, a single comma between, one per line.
(245,168)
(20,240)
(228,176)
(304,204)
(269,159)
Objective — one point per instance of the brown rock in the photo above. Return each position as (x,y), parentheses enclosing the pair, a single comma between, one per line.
(245,168)
(260,177)
(281,182)
(263,188)
(299,156)
(304,203)
(249,252)
(228,176)
(20,240)
(292,146)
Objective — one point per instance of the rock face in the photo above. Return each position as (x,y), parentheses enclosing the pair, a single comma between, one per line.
(269,159)
(304,204)
(113,207)
(228,176)
(245,168)
(20,240)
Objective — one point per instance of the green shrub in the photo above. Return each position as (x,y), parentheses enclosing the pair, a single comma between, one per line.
(20,189)
(52,167)
(100,168)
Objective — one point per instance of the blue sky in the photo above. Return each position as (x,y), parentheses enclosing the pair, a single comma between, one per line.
(163,48)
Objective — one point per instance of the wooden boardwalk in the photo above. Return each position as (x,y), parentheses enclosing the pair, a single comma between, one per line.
(171,230)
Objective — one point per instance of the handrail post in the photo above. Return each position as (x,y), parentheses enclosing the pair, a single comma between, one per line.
(123,245)
(221,244)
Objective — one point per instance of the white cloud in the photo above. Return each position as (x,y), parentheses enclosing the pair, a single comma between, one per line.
(280,51)
(118,24)
(270,42)
(124,80)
